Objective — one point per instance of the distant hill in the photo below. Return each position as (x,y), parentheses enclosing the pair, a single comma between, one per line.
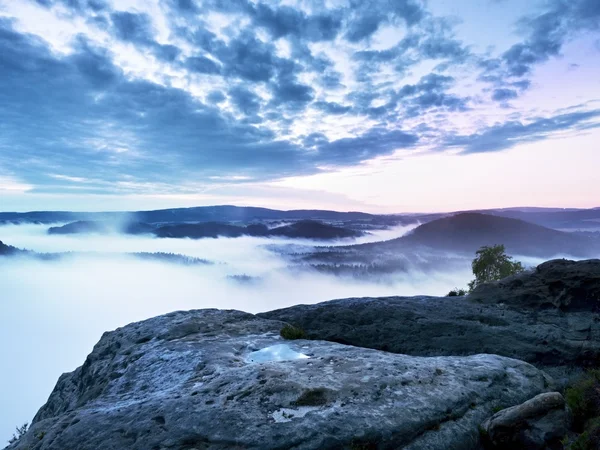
(306,229)
(566,219)
(80,227)
(223,213)
(7,250)
(172,258)
(200,230)
(227,213)
(446,244)
(467,232)
(101,227)
(313,230)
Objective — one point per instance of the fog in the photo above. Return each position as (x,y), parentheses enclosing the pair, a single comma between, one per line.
(53,312)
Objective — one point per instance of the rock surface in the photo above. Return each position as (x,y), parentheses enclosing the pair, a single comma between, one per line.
(560,283)
(225,379)
(539,423)
(431,326)
(512,319)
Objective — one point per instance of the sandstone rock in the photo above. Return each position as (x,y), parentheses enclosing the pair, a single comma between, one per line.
(432,326)
(548,317)
(539,423)
(560,283)
(225,379)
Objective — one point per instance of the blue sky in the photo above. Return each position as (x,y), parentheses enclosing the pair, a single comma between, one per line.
(380,105)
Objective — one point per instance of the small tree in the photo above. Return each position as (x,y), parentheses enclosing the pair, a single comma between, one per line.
(19,434)
(492,264)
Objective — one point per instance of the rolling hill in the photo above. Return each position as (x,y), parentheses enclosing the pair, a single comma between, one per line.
(467,232)
(222,213)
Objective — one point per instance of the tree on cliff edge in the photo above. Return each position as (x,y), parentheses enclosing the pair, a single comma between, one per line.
(492,264)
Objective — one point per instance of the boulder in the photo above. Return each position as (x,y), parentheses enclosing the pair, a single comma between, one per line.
(539,423)
(560,283)
(226,379)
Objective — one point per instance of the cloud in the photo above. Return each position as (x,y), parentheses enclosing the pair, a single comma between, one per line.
(137,28)
(290,91)
(132,27)
(286,21)
(202,64)
(502,95)
(376,142)
(546,33)
(124,130)
(248,58)
(78,6)
(507,135)
(254,89)
(366,16)
(246,101)
(332,107)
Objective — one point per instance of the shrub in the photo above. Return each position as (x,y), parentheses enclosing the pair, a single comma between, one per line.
(19,434)
(583,397)
(291,333)
(590,438)
(456,292)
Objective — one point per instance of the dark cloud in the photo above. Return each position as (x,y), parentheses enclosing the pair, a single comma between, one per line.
(365,17)
(167,53)
(332,107)
(137,28)
(286,21)
(502,95)
(450,102)
(216,97)
(363,27)
(133,27)
(430,92)
(185,6)
(293,92)
(78,6)
(94,65)
(375,142)
(440,47)
(434,41)
(314,140)
(331,80)
(507,135)
(202,64)
(246,101)
(248,58)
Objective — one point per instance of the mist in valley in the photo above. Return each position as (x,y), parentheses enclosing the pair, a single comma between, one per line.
(55,310)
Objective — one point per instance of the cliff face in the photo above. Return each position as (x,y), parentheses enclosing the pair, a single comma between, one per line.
(225,379)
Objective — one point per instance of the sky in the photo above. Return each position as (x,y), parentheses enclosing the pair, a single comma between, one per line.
(373,105)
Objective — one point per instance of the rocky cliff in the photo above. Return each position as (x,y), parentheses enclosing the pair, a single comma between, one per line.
(225,379)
